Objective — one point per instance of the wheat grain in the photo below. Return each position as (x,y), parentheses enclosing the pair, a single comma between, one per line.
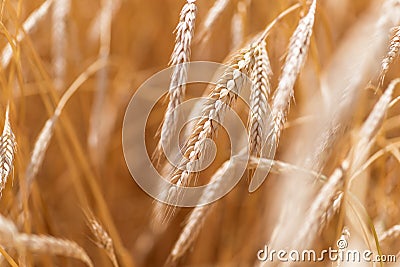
(179,59)
(7,151)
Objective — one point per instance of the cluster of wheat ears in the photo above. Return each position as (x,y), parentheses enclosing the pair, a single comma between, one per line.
(322,126)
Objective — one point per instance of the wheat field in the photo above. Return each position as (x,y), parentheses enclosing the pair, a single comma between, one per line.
(305,105)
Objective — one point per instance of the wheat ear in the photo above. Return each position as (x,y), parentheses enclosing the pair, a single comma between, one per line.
(392,233)
(61,9)
(29,24)
(10,237)
(323,202)
(238,23)
(7,151)
(94,29)
(42,141)
(297,53)
(391,54)
(102,238)
(223,96)
(260,91)
(179,59)
(212,16)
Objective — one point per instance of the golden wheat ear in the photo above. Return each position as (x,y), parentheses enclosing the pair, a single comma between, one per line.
(328,199)
(392,53)
(179,61)
(10,237)
(102,238)
(7,151)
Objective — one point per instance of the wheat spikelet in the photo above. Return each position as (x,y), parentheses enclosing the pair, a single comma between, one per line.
(29,24)
(61,9)
(392,53)
(259,96)
(179,58)
(102,238)
(297,53)
(7,150)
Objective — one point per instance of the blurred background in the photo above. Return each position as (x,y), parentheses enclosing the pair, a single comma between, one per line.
(84,167)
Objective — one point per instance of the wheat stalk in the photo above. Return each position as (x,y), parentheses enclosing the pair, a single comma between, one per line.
(102,82)
(391,54)
(44,137)
(179,59)
(7,151)
(200,213)
(29,24)
(94,29)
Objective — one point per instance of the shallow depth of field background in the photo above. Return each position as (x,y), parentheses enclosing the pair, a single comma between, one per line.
(141,43)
